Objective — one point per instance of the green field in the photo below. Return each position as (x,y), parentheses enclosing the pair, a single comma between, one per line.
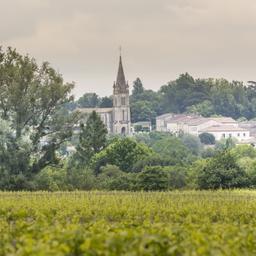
(116,223)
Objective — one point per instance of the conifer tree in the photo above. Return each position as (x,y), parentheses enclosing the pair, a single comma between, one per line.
(92,138)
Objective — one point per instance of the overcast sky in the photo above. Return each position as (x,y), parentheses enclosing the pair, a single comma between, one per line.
(160,38)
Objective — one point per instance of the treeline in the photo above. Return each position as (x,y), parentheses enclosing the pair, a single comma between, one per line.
(153,161)
(36,125)
(206,97)
(150,161)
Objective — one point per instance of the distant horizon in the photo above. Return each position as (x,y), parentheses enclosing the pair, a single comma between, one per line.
(77,92)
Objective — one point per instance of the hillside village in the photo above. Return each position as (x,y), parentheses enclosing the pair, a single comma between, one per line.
(219,127)
(118,119)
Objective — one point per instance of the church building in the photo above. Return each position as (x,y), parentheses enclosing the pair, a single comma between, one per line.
(118,118)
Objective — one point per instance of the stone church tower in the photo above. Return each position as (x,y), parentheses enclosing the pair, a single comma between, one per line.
(121,105)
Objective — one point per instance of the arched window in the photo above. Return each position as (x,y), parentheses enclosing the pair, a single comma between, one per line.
(123,131)
(123,101)
(123,115)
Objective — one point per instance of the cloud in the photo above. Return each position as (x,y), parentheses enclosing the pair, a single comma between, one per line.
(161,39)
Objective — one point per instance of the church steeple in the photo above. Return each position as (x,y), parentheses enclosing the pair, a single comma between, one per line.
(121,104)
(120,86)
(120,80)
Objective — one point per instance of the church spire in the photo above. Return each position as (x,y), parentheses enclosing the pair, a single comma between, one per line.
(120,80)
(120,85)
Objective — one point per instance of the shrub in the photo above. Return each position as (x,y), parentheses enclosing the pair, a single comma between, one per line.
(123,153)
(207,138)
(222,171)
(153,178)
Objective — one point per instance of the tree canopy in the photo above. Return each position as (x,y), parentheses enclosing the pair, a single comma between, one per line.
(92,138)
(31,110)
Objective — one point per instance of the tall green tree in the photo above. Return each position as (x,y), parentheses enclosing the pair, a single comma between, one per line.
(92,138)
(137,87)
(145,104)
(222,171)
(31,102)
(153,178)
(185,91)
(122,152)
(142,111)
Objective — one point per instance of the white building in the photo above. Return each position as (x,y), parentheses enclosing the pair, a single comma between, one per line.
(188,124)
(220,127)
(228,131)
(225,120)
(161,122)
(249,125)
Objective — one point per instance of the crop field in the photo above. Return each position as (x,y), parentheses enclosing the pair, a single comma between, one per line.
(125,223)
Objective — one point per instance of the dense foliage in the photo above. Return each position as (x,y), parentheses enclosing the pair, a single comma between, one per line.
(222,171)
(206,97)
(209,96)
(141,164)
(207,138)
(92,139)
(33,122)
(38,120)
(124,153)
(97,223)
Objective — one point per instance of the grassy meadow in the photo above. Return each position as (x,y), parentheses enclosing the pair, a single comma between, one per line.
(126,223)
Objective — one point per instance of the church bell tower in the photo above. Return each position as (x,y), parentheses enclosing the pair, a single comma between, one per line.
(121,104)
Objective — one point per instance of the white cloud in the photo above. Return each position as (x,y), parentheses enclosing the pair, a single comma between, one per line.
(160,38)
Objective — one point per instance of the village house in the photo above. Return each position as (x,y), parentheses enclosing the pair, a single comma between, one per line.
(219,127)
(228,131)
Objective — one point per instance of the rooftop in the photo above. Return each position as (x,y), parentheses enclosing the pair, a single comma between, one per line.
(185,119)
(179,118)
(164,116)
(223,119)
(224,128)
(98,110)
(146,123)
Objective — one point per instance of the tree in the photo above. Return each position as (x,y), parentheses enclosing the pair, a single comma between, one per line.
(209,96)
(106,102)
(137,87)
(32,98)
(243,151)
(192,143)
(145,104)
(153,178)
(122,152)
(204,108)
(112,178)
(207,138)
(142,111)
(225,144)
(176,176)
(80,178)
(92,139)
(222,171)
(184,92)
(173,148)
(51,179)
(88,100)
